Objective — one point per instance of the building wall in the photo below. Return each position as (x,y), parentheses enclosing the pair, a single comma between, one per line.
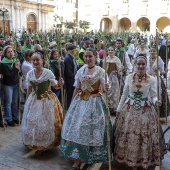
(19,10)
(134,10)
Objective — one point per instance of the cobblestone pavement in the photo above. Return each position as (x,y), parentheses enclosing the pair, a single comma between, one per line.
(12,154)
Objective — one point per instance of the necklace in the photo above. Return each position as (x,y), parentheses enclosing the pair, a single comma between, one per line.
(140,77)
(37,74)
(91,67)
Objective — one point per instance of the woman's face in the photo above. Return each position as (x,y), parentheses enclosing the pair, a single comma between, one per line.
(141,66)
(37,61)
(153,52)
(19,47)
(89,58)
(111,51)
(12,45)
(142,45)
(9,53)
(55,55)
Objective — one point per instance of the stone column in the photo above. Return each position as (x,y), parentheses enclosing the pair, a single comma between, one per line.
(21,14)
(133,26)
(16,19)
(153,27)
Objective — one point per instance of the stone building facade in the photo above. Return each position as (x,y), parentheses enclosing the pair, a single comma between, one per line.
(134,15)
(30,15)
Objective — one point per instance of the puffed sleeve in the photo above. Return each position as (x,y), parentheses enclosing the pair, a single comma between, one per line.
(118,63)
(128,63)
(28,75)
(77,83)
(124,95)
(161,64)
(52,79)
(153,90)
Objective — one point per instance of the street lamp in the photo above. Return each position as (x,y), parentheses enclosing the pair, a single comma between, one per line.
(3,11)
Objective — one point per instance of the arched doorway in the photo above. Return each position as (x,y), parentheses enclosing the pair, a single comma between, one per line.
(31,23)
(143,24)
(7,25)
(163,23)
(124,24)
(106,25)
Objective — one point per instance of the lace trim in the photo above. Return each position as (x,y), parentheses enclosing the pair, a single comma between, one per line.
(88,80)
(46,75)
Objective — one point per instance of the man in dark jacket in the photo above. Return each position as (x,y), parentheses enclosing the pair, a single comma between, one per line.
(70,72)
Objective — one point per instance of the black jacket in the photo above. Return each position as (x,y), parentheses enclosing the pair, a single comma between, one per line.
(69,70)
(54,67)
(10,74)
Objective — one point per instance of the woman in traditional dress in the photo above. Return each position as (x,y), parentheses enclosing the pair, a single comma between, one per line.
(43,114)
(140,50)
(136,124)
(152,70)
(113,67)
(84,137)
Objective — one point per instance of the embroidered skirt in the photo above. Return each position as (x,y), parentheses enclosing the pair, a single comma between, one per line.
(83,138)
(42,122)
(136,137)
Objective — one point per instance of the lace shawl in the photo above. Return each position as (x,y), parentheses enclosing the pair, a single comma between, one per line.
(84,81)
(46,75)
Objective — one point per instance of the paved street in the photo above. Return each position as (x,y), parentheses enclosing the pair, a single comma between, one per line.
(13,155)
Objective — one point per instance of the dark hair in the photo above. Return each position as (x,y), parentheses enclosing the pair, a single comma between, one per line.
(41,53)
(28,53)
(92,50)
(96,41)
(52,52)
(1,36)
(153,46)
(7,42)
(119,39)
(143,56)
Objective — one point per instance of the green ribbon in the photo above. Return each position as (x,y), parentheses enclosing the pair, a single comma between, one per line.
(9,61)
(137,99)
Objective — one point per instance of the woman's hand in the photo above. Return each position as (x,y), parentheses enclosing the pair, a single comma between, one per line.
(61,81)
(158,103)
(106,86)
(17,65)
(47,64)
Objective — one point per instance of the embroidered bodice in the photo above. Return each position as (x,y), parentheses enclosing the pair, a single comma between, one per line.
(152,70)
(138,94)
(41,85)
(40,88)
(112,64)
(87,82)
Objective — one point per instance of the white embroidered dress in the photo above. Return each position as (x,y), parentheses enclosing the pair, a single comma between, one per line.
(114,91)
(85,120)
(38,117)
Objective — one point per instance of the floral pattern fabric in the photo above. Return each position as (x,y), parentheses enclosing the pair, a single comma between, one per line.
(136,137)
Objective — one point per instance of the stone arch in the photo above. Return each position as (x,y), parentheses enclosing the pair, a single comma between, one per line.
(163,23)
(143,24)
(106,25)
(124,24)
(31,23)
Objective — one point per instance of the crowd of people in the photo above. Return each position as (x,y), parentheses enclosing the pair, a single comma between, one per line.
(70,96)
